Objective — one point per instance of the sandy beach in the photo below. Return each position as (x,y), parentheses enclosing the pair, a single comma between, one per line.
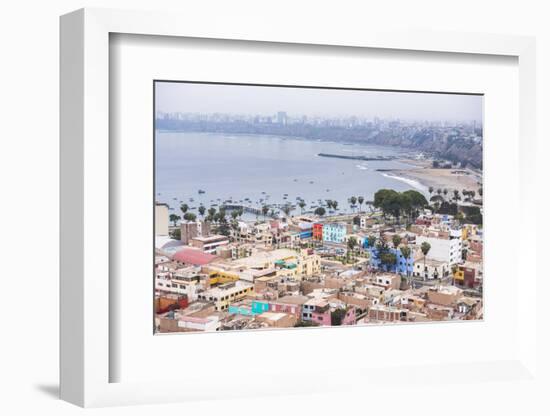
(450,179)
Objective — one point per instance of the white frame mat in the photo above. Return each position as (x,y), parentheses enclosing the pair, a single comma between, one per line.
(85,354)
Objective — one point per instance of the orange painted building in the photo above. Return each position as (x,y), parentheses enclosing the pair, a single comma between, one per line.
(318,231)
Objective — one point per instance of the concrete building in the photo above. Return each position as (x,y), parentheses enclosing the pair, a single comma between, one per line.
(191,323)
(445,296)
(161,219)
(441,249)
(387,314)
(225,294)
(317,232)
(429,269)
(209,244)
(334,232)
(277,319)
(189,230)
(402,265)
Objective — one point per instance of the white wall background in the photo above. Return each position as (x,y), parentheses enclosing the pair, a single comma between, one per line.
(29,180)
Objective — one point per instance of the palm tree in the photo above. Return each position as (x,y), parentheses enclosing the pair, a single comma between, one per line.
(439,191)
(302,205)
(425,248)
(184,208)
(174,219)
(431,190)
(360,199)
(265,210)
(202,210)
(211,213)
(406,253)
(456,196)
(445,191)
(396,240)
(234,214)
(353,201)
(286,209)
(335,204)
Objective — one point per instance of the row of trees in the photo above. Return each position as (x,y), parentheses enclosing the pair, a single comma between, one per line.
(400,204)
(466,194)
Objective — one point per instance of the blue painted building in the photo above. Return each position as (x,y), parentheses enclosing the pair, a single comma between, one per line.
(402,266)
(306,230)
(334,232)
(256,308)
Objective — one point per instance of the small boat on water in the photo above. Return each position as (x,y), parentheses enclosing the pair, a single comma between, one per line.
(310,181)
(201,191)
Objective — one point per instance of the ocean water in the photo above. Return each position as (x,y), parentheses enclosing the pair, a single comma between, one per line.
(268,170)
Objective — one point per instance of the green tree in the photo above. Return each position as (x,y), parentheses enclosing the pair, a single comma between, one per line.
(352,243)
(388,259)
(396,240)
(176,234)
(335,204)
(337,316)
(371,239)
(174,219)
(234,214)
(202,210)
(431,190)
(189,216)
(184,208)
(425,248)
(302,205)
(456,196)
(353,201)
(211,214)
(406,253)
(320,211)
(360,199)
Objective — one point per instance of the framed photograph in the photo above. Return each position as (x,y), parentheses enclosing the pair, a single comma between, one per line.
(350,207)
(257,207)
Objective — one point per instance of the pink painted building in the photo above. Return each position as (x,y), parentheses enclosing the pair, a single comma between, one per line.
(289,304)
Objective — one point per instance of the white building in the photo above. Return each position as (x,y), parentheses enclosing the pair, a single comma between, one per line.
(430,269)
(223,295)
(161,219)
(208,324)
(441,249)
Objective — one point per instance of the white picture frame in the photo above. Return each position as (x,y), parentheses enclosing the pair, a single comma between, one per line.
(85,201)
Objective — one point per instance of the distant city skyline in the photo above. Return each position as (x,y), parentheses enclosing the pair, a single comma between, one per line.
(180,97)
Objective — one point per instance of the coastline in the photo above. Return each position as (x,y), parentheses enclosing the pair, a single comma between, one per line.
(427,176)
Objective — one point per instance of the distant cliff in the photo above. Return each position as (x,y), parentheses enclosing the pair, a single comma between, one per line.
(440,142)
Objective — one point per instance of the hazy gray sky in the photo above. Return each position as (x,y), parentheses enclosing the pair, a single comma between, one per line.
(239,99)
